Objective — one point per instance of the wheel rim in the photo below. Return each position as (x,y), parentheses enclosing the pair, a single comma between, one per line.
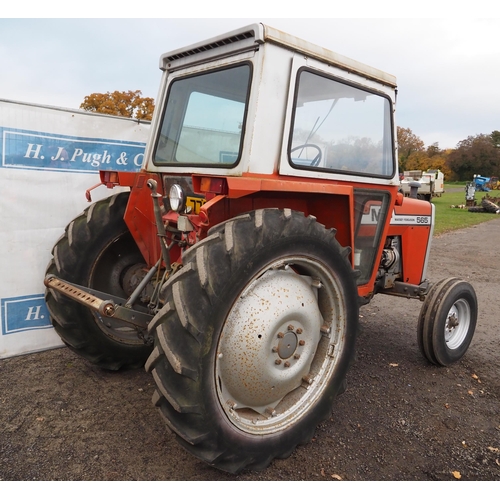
(457,324)
(113,272)
(280,345)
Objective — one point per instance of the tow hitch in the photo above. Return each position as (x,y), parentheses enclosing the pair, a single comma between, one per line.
(103,304)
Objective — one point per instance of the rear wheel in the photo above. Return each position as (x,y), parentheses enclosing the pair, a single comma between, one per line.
(97,251)
(447,321)
(255,338)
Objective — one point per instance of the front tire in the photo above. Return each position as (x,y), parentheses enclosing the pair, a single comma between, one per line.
(447,321)
(255,338)
(97,251)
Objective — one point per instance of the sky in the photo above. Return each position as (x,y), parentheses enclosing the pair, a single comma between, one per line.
(447,69)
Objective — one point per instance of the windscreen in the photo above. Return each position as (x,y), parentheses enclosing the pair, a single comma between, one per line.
(340,127)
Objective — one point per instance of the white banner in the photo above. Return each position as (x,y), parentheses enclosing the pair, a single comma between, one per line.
(49,157)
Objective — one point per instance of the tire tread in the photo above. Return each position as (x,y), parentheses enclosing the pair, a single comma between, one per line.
(183,337)
(73,322)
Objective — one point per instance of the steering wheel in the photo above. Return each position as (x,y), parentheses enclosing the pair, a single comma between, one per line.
(317,159)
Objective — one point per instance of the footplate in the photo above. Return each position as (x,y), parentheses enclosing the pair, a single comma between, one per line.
(105,305)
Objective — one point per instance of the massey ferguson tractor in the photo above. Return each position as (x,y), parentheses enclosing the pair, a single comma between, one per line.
(233,267)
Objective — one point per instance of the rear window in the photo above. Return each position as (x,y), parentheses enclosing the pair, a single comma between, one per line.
(204,119)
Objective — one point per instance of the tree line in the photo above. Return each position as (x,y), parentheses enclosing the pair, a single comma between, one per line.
(479,154)
(130,104)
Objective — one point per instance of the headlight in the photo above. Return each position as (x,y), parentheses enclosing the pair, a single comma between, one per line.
(177,198)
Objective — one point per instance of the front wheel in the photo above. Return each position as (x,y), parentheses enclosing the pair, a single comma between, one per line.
(255,338)
(447,321)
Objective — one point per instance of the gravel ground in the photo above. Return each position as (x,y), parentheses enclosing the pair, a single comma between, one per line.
(400,419)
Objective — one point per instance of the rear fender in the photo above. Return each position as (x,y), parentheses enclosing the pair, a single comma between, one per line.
(331,210)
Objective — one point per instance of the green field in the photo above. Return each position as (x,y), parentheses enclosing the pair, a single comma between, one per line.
(449,219)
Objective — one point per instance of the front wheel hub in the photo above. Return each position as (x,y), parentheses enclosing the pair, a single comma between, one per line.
(457,324)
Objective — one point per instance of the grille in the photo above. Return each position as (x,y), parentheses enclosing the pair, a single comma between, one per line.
(211,46)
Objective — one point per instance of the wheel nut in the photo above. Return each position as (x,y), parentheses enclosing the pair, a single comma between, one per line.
(317,284)
(296,356)
(275,349)
(287,364)
(302,342)
(277,362)
(281,335)
(270,411)
(299,331)
(290,327)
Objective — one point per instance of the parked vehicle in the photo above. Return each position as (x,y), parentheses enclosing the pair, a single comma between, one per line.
(267,210)
(482,183)
(431,183)
(494,183)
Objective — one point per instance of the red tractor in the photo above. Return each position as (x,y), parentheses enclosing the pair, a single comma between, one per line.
(266,212)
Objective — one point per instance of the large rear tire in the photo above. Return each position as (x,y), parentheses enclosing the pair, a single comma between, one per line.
(255,338)
(96,251)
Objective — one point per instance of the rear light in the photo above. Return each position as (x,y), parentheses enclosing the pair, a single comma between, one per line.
(109,177)
(214,185)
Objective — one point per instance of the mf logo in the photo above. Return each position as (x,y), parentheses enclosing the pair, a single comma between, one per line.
(371,213)
(24,313)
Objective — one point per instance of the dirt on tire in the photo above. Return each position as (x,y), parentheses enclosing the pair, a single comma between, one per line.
(401,418)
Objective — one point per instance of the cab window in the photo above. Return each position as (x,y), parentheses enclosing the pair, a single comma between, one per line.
(340,127)
(203,121)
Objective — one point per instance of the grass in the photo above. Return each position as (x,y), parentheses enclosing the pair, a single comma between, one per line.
(450,219)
